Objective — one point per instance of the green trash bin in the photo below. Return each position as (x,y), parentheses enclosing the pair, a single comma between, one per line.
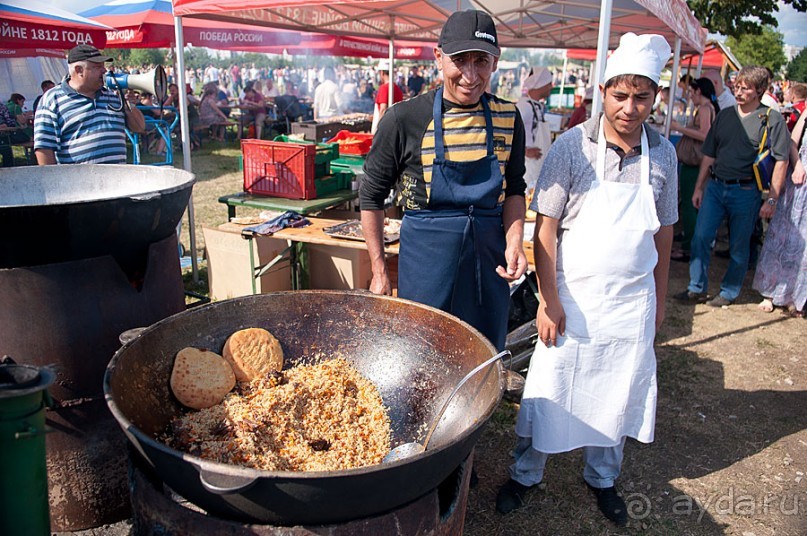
(23,466)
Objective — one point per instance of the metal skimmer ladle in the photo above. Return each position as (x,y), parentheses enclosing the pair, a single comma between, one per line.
(412,448)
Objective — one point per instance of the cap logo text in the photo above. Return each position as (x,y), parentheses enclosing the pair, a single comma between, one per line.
(483,35)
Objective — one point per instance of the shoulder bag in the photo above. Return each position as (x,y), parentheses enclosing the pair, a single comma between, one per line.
(688,149)
(764,162)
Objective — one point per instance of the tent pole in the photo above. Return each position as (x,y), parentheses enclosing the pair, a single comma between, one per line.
(689,74)
(673,84)
(602,52)
(186,140)
(391,93)
(563,78)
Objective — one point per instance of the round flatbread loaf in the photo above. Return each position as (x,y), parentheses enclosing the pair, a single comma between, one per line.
(201,378)
(253,353)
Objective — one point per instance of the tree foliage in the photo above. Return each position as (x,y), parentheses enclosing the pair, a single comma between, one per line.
(764,49)
(136,57)
(797,68)
(147,56)
(739,17)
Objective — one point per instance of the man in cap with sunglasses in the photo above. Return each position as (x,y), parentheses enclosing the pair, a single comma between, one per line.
(456,156)
(606,201)
(81,121)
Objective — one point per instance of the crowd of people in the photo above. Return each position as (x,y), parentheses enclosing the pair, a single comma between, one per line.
(729,120)
(351,89)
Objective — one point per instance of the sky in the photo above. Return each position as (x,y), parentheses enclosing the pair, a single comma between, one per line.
(791,23)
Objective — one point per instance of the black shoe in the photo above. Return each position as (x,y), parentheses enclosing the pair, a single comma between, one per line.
(690,297)
(511,496)
(719,301)
(611,504)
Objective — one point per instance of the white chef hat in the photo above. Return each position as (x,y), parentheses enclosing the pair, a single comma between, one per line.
(539,78)
(645,55)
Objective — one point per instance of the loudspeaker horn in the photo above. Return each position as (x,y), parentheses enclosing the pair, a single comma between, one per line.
(155,82)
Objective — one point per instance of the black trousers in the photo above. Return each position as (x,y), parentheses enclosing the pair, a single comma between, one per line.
(6,153)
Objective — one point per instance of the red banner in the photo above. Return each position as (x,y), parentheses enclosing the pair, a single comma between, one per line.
(32,53)
(14,34)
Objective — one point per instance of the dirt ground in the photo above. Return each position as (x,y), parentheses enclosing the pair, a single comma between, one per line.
(730,452)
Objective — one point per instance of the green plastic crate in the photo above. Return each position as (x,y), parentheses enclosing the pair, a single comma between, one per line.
(326,152)
(338,180)
(347,162)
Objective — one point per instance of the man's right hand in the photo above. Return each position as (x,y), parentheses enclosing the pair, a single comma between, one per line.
(551,323)
(532,152)
(697,198)
(380,284)
(372,226)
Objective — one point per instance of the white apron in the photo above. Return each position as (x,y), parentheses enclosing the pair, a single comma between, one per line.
(376,118)
(599,383)
(541,138)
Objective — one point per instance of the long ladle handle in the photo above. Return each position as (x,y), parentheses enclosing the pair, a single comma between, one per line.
(467,377)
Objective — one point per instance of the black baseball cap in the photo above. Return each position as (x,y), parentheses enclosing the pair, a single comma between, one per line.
(86,53)
(470,30)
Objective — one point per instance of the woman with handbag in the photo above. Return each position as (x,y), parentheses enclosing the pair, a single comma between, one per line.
(781,273)
(689,154)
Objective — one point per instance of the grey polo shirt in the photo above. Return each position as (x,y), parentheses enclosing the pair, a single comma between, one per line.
(569,171)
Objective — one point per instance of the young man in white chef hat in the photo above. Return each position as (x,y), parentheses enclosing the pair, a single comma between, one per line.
(606,201)
(538,136)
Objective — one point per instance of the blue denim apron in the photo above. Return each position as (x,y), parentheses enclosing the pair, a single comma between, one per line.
(449,252)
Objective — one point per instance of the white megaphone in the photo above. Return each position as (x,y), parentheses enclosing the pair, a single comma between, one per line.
(155,82)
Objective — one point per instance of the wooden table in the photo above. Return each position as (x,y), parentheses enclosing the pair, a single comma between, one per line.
(301,206)
(314,234)
(296,236)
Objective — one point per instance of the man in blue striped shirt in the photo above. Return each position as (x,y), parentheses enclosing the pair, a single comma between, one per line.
(81,121)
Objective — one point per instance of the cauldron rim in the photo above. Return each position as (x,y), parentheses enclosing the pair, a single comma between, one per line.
(187,180)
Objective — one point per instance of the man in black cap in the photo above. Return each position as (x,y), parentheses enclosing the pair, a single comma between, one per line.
(460,182)
(81,121)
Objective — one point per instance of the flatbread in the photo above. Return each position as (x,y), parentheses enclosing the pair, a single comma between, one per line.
(201,378)
(247,220)
(253,353)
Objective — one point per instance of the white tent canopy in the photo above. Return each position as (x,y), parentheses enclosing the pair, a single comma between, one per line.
(24,76)
(519,23)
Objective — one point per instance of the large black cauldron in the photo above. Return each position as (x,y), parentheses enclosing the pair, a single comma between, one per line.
(51,214)
(414,354)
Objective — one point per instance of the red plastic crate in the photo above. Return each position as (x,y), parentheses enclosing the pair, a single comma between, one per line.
(279,169)
(353,142)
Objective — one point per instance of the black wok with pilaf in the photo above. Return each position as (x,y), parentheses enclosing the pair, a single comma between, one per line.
(414,354)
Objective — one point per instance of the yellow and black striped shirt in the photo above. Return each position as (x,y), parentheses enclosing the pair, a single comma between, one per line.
(403,149)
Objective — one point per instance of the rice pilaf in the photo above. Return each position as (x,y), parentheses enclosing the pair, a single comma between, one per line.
(321,417)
